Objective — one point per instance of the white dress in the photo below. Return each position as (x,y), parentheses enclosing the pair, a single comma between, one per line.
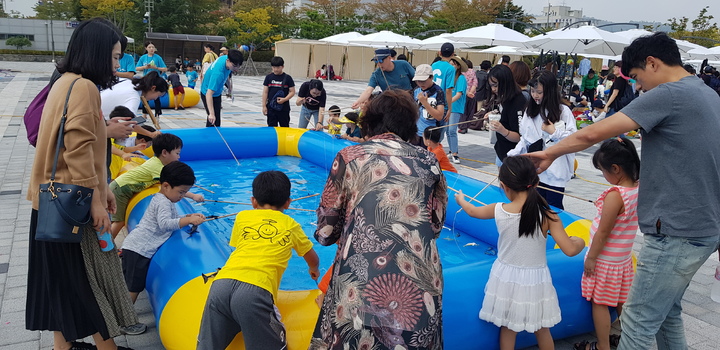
(519,293)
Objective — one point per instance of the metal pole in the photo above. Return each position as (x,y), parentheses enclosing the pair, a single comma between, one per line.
(52,35)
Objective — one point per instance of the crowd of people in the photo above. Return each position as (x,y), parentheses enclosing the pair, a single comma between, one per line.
(392,182)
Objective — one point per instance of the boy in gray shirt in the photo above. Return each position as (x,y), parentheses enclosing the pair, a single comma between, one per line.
(678,203)
(157,224)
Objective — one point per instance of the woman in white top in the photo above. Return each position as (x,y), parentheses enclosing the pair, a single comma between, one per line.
(127,93)
(547,121)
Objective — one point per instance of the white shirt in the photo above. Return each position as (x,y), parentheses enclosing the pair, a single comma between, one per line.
(121,94)
(561,170)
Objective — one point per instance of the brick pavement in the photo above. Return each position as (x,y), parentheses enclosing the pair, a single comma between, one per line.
(701,315)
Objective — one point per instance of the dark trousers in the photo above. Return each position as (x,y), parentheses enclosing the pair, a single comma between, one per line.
(158,107)
(217,105)
(553,198)
(278,118)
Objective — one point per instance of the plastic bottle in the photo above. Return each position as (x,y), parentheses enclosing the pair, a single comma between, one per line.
(105,240)
(715,291)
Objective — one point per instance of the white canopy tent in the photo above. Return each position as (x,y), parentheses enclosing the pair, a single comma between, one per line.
(492,34)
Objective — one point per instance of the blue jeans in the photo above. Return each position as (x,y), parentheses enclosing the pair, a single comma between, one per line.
(305,115)
(452,132)
(664,270)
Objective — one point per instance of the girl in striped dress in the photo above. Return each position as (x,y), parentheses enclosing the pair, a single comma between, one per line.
(608,263)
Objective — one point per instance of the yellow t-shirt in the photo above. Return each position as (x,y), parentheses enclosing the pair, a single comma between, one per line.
(148,173)
(262,239)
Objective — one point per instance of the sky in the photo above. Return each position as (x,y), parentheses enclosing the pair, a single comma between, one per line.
(629,10)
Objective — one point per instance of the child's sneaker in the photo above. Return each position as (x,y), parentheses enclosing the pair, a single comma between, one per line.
(455,159)
(138,328)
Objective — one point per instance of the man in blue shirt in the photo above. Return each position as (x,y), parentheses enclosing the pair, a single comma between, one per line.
(127,62)
(389,75)
(213,82)
(444,76)
(431,101)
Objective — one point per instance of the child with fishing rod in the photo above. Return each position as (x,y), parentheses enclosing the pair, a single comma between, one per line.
(243,294)
(167,149)
(609,270)
(519,295)
(159,221)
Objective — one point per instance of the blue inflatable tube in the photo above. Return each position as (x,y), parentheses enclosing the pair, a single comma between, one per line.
(185,257)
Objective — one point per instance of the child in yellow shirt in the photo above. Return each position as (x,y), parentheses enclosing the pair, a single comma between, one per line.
(243,294)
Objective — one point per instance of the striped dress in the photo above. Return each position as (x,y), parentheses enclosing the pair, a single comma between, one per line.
(614,271)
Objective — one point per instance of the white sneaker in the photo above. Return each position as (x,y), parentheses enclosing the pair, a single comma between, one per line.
(455,159)
(135,329)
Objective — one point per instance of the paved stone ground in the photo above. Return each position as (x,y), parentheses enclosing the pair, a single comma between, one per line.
(701,315)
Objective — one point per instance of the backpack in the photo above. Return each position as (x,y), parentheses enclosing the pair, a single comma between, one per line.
(33,113)
(627,96)
(279,94)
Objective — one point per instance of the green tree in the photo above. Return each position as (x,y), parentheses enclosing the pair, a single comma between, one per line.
(399,12)
(117,11)
(703,26)
(255,28)
(68,10)
(314,26)
(463,14)
(3,14)
(182,16)
(18,41)
(512,11)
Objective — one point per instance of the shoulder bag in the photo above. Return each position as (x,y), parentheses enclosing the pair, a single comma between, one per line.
(63,208)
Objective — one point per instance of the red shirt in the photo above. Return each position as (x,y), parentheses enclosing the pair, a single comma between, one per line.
(443,158)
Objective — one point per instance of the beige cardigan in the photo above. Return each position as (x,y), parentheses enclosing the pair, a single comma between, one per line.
(82,161)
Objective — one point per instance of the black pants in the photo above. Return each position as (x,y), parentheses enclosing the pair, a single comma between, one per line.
(217,105)
(158,107)
(553,198)
(278,118)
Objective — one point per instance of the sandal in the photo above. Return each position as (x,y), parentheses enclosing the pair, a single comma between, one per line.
(614,340)
(583,345)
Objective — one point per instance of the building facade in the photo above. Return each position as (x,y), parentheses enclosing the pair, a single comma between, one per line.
(557,17)
(43,34)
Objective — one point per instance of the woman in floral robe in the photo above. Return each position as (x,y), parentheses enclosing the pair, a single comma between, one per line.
(384,205)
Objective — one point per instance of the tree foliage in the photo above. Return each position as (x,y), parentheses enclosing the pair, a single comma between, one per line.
(703,27)
(255,28)
(399,12)
(18,41)
(67,10)
(117,11)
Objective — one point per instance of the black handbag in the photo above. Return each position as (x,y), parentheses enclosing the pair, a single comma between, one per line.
(63,209)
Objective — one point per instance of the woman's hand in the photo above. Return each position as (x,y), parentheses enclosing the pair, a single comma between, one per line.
(548,128)
(101,220)
(211,118)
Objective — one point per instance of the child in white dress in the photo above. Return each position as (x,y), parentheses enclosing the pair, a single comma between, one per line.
(519,295)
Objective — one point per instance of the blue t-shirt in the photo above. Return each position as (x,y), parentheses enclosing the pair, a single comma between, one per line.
(460,86)
(215,77)
(145,59)
(436,97)
(398,78)
(191,77)
(127,64)
(354,133)
(444,75)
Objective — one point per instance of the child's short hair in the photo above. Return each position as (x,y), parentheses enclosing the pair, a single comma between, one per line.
(575,88)
(433,134)
(277,61)
(620,151)
(271,188)
(167,142)
(191,67)
(177,173)
(172,69)
(121,112)
(145,137)
(334,109)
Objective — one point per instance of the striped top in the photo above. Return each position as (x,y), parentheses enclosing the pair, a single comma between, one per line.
(620,242)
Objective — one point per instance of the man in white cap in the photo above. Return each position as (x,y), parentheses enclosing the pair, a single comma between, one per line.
(389,75)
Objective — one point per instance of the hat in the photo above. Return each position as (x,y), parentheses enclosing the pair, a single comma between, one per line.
(344,119)
(380,55)
(447,50)
(423,72)
(223,48)
(461,63)
(708,69)
(598,103)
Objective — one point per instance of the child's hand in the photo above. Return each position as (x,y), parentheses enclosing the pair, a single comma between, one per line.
(198,198)
(590,266)
(197,218)
(314,273)
(459,197)
(128,156)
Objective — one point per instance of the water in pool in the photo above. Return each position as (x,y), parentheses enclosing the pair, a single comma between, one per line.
(233,183)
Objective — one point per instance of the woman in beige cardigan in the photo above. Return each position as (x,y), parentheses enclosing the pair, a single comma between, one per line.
(76,290)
